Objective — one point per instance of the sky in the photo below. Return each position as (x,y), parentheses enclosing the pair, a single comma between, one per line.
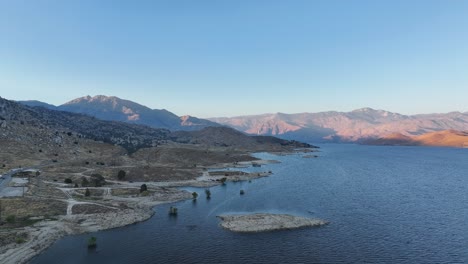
(211,58)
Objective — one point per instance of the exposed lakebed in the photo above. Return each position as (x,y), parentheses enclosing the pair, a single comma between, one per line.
(386,205)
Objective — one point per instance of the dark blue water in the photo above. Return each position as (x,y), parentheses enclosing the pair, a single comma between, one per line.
(385,205)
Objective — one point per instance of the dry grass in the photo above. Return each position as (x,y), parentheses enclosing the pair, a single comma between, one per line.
(26,207)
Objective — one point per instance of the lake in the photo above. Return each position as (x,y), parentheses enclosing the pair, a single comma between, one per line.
(385,204)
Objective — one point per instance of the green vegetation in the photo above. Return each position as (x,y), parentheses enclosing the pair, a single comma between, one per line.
(173,210)
(11,219)
(92,242)
(68,181)
(98,180)
(194,195)
(208,193)
(143,188)
(223,180)
(84,182)
(20,240)
(121,175)
(242,192)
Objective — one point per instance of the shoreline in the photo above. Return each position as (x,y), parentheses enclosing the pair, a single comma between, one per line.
(47,232)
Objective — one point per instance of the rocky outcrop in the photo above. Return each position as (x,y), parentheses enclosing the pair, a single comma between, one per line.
(253,223)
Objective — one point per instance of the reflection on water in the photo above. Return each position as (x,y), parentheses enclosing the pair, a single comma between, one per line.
(385,205)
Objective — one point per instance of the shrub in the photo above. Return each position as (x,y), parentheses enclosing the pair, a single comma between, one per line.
(68,181)
(242,192)
(121,175)
(84,182)
(98,180)
(92,242)
(194,195)
(143,188)
(208,193)
(173,210)
(11,219)
(20,240)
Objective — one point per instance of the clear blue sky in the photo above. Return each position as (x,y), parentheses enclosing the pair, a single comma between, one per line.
(225,58)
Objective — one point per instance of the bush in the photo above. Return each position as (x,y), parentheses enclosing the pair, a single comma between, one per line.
(194,195)
(20,240)
(143,188)
(98,180)
(173,210)
(68,181)
(208,194)
(11,219)
(92,242)
(121,175)
(84,182)
(242,192)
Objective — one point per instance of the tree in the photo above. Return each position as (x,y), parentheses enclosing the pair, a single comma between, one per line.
(143,188)
(121,175)
(208,193)
(84,182)
(87,192)
(173,210)
(194,195)
(92,242)
(242,192)
(98,180)
(68,181)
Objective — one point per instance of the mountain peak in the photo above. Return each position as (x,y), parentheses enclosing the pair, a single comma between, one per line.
(364,110)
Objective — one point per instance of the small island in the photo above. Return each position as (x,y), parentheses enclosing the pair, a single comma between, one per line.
(263,222)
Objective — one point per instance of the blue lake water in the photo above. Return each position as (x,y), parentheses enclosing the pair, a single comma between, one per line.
(385,205)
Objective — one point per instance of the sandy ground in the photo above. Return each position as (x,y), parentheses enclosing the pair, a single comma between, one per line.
(253,223)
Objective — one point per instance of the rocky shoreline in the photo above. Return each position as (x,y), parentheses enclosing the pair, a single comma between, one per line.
(44,233)
(262,222)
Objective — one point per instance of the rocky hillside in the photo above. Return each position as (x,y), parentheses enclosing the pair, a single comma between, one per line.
(112,108)
(357,125)
(446,138)
(228,137)
(58,123)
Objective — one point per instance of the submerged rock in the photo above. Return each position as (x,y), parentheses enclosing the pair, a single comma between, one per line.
(266,222)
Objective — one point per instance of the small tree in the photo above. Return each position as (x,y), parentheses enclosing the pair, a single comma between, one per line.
(121,175)
(194,195)
(87,192)
(11,219)
(242,192)
(84,182)
(68,181)
(98,180)
(76,185)
(92,242)
(208,193)
(223,180)
(173,210)
(143,188)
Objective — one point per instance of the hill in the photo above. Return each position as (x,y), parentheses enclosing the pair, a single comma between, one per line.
(446,138)
(112,108)
(355,126)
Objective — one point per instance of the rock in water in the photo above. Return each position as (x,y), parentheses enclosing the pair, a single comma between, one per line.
(266,222)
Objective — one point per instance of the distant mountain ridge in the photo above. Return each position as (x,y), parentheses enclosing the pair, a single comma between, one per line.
(112,108)
(448,138)
(355,126)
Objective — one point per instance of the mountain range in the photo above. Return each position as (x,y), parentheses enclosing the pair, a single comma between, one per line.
(365,125)
(112,108)
(355,126)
